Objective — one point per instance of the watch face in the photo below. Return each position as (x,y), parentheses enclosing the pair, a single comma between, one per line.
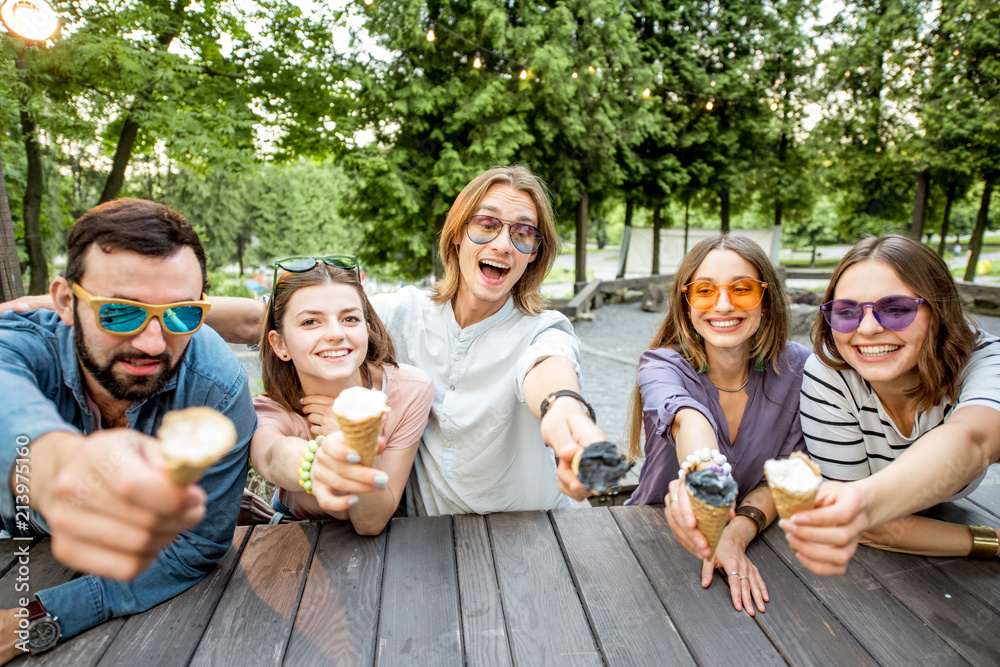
(42,635)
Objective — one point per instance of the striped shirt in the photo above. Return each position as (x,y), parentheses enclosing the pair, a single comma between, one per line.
(851,436)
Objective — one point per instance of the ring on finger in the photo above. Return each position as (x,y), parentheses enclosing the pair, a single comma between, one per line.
(735,574)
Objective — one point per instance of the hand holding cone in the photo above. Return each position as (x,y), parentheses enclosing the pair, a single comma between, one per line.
(794,483)
(359,414)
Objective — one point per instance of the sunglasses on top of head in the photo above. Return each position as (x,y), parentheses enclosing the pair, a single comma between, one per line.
(744,294)
(894,312)
(124,317)
(484,228)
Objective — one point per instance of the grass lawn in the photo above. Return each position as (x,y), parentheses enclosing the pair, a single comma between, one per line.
(559,274)
(804,263)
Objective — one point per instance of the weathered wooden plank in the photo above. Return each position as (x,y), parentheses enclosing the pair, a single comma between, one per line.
(44,571)
(629,621)
(169,632)
(701,615)
(10,549)
(419,621)
(252,621)
(797,623)
(956,615)
(31,573)
(545,619)
(338,614)
(987,494)
(889,631)
(483,626)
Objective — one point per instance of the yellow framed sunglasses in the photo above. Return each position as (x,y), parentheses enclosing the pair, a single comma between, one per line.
(123,317)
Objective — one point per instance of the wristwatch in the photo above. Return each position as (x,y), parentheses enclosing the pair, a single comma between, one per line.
(43,628)
(559,394)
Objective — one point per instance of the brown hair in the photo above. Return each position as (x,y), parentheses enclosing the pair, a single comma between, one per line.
(281,382)
(526,293)
(135,225)
(677,331)
(951,337)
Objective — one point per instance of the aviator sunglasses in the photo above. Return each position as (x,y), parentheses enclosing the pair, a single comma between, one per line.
(744,294)
(303,264)
(894,312)
(484,228)
(123,317)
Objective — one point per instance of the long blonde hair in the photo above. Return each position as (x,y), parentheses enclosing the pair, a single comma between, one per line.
(526,293)
(677,331)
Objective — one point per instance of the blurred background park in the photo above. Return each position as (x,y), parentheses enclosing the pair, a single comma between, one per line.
(281,127)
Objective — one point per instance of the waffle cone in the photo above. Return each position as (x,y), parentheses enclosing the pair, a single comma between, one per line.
(185,468)
(711,519)
(787,502)
(575,464)
(362,436)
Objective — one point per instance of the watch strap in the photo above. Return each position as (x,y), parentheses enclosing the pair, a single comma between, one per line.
(565,392)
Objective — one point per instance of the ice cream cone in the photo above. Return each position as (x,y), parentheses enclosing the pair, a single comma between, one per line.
(359,414)
(362,436)
(193,439)
(711,519)
(787,501)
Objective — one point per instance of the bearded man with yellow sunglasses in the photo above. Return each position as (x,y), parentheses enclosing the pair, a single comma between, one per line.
(85,388)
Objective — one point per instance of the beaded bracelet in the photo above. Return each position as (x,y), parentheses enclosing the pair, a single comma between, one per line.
(705,459)
(306,462)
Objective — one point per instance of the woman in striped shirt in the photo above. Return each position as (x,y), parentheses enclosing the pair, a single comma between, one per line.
(897,362)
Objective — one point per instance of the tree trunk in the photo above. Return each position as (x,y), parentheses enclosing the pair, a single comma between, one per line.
(946,218)
(782,157)
(920,204)
(657,213)
(724,209)
(38,264)
(581,235)
(123,153)
(11,285)
(629,210)
(130,130)
(981,219)
(812,258)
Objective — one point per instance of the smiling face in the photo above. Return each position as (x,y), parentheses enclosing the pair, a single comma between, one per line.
(883,357)
(130,368)
(490,270)
(325,336)
(725,326)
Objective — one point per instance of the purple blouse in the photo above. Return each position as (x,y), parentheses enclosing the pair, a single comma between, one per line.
(770,427)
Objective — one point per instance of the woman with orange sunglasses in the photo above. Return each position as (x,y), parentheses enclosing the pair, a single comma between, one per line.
(720,375)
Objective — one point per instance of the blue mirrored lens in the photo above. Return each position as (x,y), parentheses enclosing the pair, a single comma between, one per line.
(121,318)
(183,319)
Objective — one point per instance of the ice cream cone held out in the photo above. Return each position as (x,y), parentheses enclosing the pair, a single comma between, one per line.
(359,414)
(712,492)
(193,439)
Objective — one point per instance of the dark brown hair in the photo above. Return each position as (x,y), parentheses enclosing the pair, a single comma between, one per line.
(526,293)
(281,382)
(951,337)
(677,331)
(135,225)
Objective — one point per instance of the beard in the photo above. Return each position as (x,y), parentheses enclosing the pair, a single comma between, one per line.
(129,387)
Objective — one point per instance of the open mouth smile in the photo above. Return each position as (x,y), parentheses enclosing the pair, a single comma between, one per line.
(493,271)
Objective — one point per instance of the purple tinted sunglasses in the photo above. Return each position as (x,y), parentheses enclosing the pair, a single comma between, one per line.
(894,312)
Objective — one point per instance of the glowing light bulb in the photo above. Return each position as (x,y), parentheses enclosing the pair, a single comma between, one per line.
(430,35)
(524,74)
(847,73)
(709,105)
(368,2)
(712,83)
(574,75)
(477,63)
(592,70)
(774,106)
(647,93)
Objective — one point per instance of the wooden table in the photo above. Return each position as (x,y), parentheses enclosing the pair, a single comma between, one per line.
(575,587)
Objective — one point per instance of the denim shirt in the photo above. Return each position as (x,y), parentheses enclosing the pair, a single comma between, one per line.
(43,391)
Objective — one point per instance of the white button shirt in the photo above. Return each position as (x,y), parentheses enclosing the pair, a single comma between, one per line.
(482,450)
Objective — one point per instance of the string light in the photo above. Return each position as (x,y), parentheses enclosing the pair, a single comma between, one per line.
(574,75)
(847,74)
(646,93)
(709,105)
(712,84)
(592,70)
(368,2)
(430,35)
(774,106)
(524,74)
(477,63)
